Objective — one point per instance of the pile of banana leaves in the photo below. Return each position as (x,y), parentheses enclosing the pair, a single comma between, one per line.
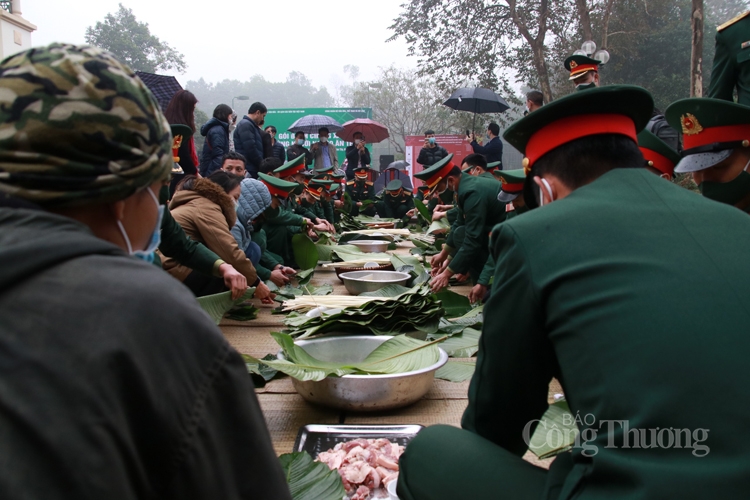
(415,309)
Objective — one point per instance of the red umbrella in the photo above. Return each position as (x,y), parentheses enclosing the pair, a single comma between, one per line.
(372,130)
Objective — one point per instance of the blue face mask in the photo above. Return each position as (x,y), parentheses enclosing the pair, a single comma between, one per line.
(300,142)
(431,140)
(147,254)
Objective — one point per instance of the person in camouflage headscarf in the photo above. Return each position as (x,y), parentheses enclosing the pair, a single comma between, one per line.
(105,359)
(77,126)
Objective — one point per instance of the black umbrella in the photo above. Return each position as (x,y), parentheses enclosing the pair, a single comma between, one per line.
(163,87)
(400,165)
(476,100)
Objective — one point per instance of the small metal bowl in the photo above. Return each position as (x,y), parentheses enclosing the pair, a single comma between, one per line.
(362,392)
(357,282)
(370,246)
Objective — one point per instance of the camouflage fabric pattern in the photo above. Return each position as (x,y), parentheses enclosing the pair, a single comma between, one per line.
(78,127)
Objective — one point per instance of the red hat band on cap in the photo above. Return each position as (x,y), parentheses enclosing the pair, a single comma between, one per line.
(293,171)
(658,161)
(516,187)
(440,174)
(274,190)
(710,135)
(571,128)
(582,68)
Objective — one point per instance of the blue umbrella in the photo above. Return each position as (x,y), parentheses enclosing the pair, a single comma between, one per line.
(311,123)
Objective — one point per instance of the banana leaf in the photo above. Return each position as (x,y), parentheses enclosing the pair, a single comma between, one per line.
(463,345)
(259,371)
(289,292)
(414,310)
(556,431)
(304,276)
(310,480)
(455,305)
(424,212)
(305,251)
(388,291)
(456,371)
(348,253)
(218,304)
(243,312)
(439,226)
(400,354)
(366,203)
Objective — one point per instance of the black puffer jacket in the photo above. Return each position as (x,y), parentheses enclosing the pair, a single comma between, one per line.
(430,156)
(216,146)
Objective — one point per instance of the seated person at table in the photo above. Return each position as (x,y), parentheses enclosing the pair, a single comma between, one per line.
(205,210)
(632,292)
(396,202)
(360,190)
(114,384)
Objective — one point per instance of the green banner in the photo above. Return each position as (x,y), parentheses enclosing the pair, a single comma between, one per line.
(283,118)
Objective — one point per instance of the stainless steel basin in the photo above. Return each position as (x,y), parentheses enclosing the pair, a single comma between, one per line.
(370,246)
(357,282)
(362,392)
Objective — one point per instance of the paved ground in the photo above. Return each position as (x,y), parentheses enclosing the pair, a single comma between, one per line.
(286,411)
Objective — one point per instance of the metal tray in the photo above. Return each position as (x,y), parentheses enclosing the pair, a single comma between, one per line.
(315,438)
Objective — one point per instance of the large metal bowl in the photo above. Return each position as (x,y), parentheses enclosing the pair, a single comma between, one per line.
(362,392)
(357,282)
(370,246)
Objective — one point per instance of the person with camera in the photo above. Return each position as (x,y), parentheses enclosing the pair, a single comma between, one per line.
(357,155)
(493,151)
(431,152)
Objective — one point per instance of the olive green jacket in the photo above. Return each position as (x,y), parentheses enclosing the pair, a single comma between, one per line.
(634,293)
(477,199)
(731,68)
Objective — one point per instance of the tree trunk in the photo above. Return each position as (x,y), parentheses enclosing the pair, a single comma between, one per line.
(696,59)
(541,69)
(583,14)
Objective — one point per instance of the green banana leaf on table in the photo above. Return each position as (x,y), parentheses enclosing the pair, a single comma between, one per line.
(217,305)
(311,480)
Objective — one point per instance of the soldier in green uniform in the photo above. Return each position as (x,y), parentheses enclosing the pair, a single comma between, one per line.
(341,203)
(396,202)
(731,68)
(584,71)
(325,202)
(280,222)
(467,245)
(360,190)
(295,171)
(476,165)
(660,158)
(511,194)
(611,287)
(716,147)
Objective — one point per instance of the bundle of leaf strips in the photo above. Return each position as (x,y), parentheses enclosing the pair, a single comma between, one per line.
(401,354)
(416,309)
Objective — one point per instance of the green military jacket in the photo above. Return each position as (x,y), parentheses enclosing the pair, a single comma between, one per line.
(395,208)
(299,208)
(268,259)
(359,191)
(731,68)
(477,199)
(634,293)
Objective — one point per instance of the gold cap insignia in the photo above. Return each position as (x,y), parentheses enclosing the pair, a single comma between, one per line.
(573,65)
(526,167)
(690,125)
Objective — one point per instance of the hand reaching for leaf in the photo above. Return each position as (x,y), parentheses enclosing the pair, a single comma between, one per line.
(263,293)
(233,280)
(279,278)
(477,293)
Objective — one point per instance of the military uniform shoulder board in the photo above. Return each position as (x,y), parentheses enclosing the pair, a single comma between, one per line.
(369,183)
(350,183)
(732,21)
(406,191)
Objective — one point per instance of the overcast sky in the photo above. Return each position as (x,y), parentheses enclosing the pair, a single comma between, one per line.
(236,39)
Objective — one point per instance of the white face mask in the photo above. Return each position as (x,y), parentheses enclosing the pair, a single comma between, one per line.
(147,253)
(541,193)
(324,140)
(357,141)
